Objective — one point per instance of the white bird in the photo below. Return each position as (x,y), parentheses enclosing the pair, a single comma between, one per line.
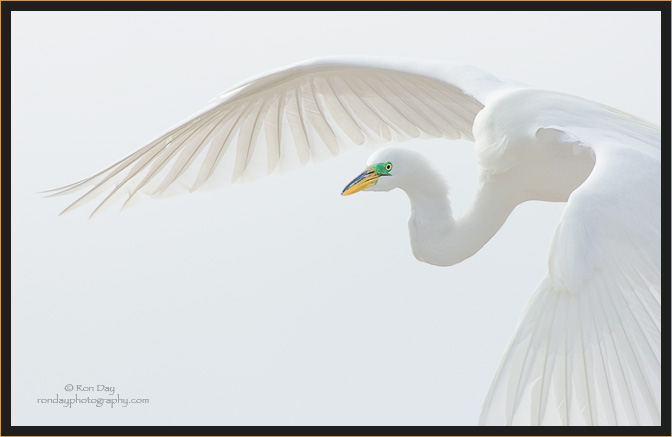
(587,347)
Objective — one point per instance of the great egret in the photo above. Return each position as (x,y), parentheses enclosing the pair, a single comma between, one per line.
(587,347)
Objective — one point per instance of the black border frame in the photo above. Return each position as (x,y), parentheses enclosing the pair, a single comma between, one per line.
(664,430)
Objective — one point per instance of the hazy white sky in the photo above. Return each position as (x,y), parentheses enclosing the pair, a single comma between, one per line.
(278,302)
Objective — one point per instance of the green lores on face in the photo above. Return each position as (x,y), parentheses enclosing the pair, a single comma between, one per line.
(382,169)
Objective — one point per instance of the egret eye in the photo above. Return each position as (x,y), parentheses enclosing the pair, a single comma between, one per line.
(388,166)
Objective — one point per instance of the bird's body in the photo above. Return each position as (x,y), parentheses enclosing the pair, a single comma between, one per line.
(587,349)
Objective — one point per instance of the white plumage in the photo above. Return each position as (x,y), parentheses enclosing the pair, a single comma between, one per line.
(587,348)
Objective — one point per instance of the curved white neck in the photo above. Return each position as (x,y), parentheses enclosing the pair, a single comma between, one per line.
(437,237)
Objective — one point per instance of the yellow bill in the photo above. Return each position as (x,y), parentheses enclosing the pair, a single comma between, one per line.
(366,179)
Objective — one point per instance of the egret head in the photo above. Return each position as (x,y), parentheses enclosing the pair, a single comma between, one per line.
(386,169)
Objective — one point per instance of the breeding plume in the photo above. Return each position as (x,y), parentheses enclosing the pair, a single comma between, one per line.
(587,347)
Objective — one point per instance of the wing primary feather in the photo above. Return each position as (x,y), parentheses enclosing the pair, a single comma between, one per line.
(113,171)
(131,173)
(619,364)
(245,134)
(135,171)
(66,189)
(251,142)
(535,328)
(369,116)
(275,158)
(655,318)
(419,120)
(216,152)
(445,110)
(399,120)
(527,330)
(601,348)
(330,139)
(445,122)
(117,168)
(541,404)
(182,164)
(271,130)
(302,147)
(582,349)
(642,380)
(655,279)
(519,382)
(645,311)
(341,115)
(80,200)
(318,105)
(465,100)
(169,150)
(472,104)
(411,100)
(123,164)
(565,354)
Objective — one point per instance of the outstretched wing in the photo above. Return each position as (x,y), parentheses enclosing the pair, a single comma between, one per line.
(587,347)
(289,117)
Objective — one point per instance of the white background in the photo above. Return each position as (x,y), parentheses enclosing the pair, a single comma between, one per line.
(278,302)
